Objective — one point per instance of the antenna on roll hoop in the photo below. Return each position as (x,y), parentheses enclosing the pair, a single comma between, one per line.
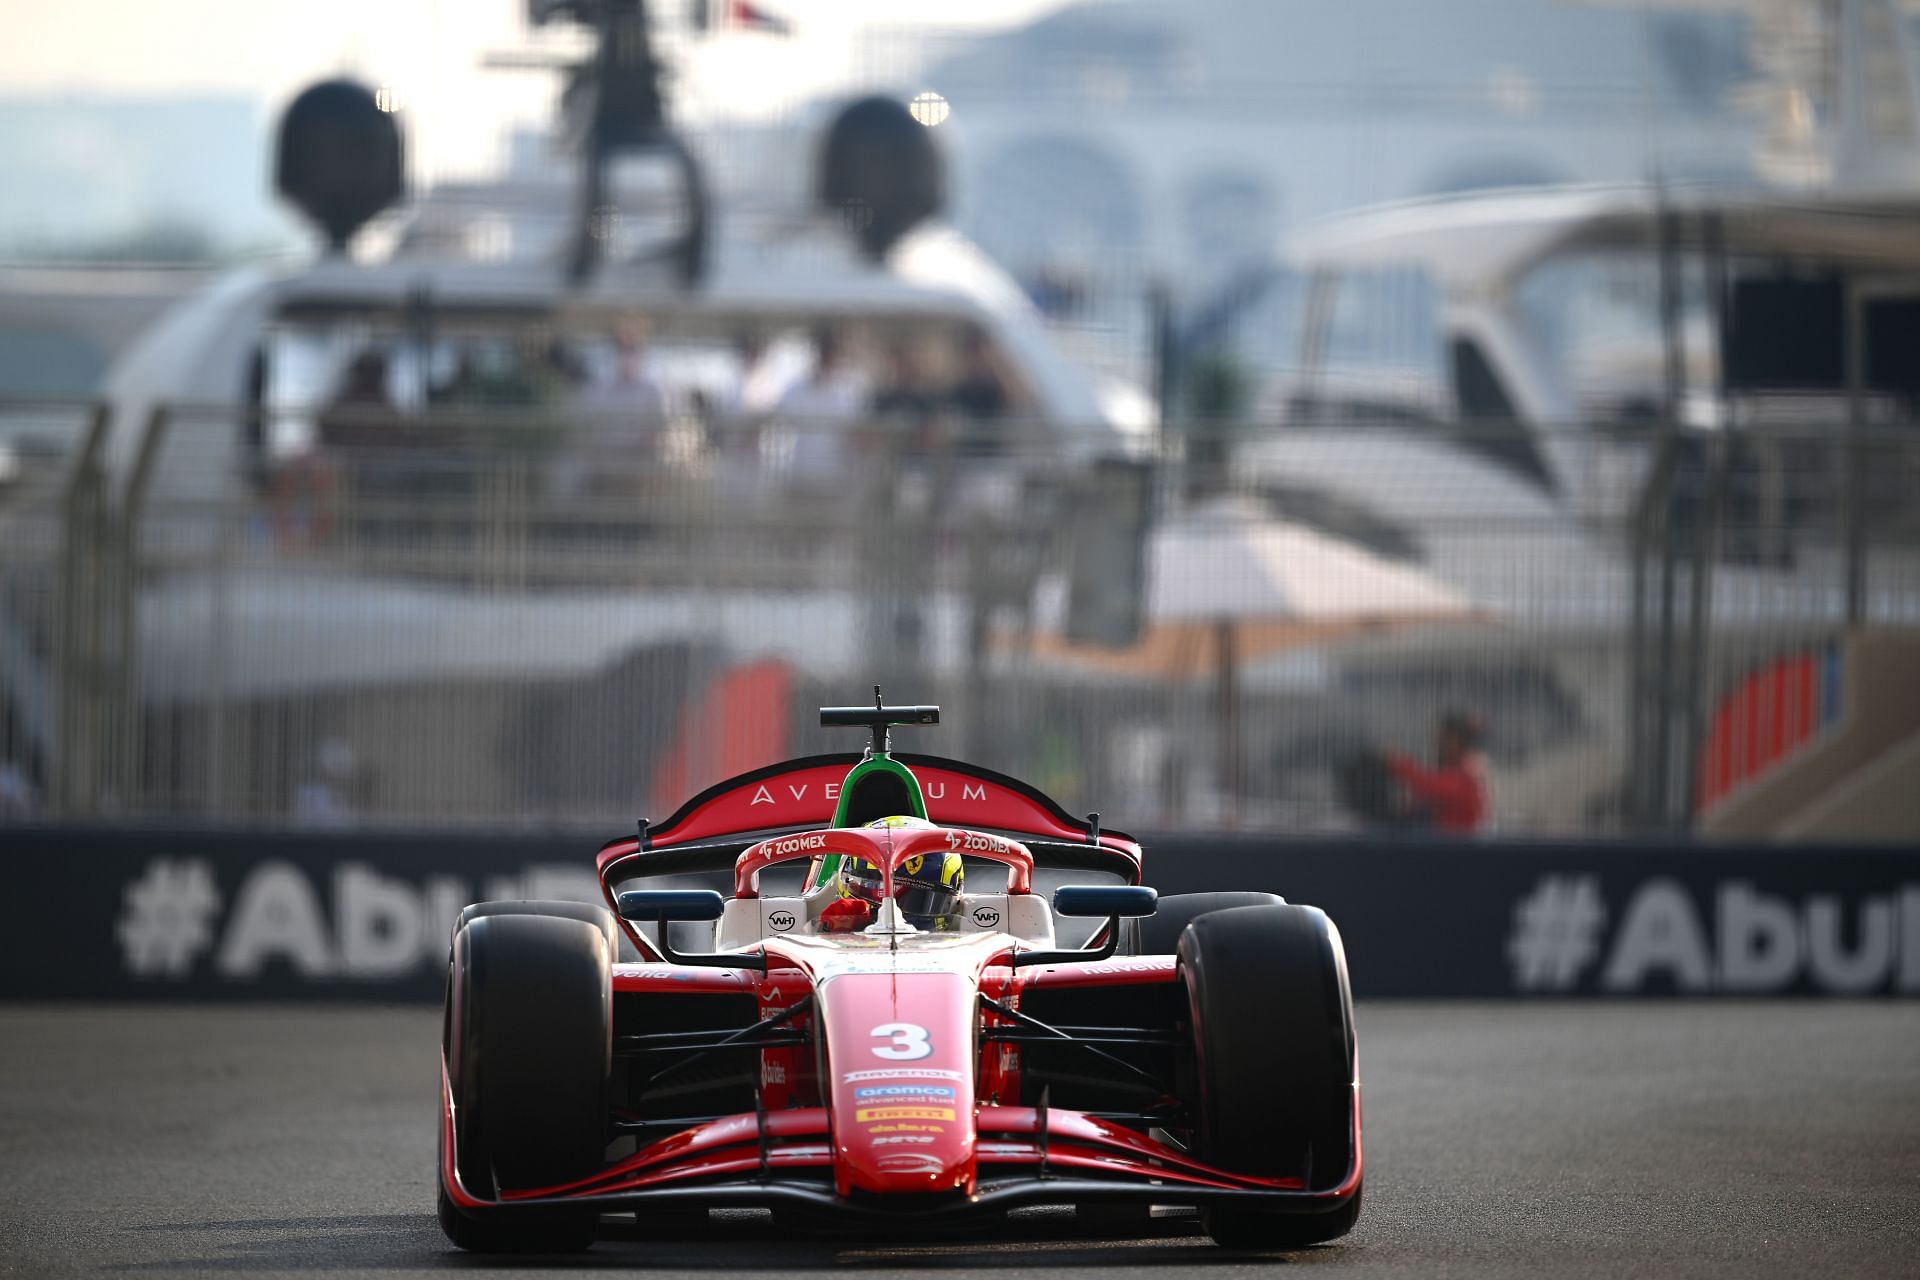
(877,719)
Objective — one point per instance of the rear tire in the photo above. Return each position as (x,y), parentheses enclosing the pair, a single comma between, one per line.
(529,1049)
(1274,1053)
(1159,933)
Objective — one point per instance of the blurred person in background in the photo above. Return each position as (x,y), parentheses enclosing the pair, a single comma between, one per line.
(982,403)
(1452,796)
(821,408)
(910,405)
(18,800)
(625,412)
(361,414)
(753,388)
(734,414)
(370,450)
(560,374)
(629,391)
(981,398)
(326,800)
(909,394)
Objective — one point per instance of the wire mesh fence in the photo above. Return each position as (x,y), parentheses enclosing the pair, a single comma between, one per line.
(509,619)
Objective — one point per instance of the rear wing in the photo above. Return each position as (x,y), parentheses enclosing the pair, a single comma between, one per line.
(708,832)
(804,793)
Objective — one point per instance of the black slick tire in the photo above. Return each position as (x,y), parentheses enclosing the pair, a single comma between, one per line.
(528,1051)
(1274,1057)
(586,912)
(520,1232)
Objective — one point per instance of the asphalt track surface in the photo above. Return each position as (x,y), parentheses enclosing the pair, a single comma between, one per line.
(1518,1140)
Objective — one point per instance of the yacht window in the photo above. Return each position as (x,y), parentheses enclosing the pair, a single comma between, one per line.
(1596,318)
(1384,347)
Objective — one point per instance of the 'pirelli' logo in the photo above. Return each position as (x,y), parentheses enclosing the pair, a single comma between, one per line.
(865,1114)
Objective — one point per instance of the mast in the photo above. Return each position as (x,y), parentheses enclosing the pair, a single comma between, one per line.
(613,105)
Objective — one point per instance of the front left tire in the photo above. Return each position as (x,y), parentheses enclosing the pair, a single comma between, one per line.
(529,1053)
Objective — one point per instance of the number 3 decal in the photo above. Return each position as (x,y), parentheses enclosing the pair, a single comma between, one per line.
(909,1041)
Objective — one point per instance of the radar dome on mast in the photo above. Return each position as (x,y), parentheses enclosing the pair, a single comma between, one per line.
(881,172)
(339,158)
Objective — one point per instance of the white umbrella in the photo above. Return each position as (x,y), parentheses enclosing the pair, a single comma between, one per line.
(1227,583)
(1264,584)
(1228,562)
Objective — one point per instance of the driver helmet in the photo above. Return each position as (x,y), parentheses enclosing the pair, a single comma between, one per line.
(927,887)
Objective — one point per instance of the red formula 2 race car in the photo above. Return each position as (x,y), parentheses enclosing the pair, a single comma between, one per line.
(928,993)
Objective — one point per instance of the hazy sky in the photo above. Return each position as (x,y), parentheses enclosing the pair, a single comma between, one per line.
(429,50)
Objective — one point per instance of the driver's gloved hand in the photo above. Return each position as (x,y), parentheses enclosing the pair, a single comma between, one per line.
(847,915)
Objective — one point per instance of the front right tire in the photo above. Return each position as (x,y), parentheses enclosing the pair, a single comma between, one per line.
(1275,1061)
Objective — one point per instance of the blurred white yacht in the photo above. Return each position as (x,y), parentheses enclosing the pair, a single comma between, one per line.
(538,286)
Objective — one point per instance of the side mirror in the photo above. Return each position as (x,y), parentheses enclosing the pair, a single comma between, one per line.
(1112,901)
(648,905)
(1104,900)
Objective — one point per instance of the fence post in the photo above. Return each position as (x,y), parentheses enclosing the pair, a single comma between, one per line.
(1650,520)
(1707,539)
(1673,344)
(126,759)
(1706,551)
(77,625)
(222,663)
(1853,480)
